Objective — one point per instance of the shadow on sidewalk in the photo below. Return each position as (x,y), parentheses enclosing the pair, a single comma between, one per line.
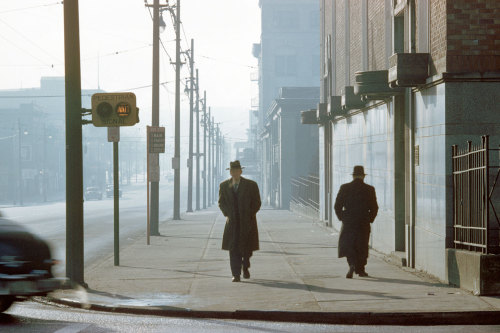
(313,288)
(106,294)
(204,237)
(408,282)
(198,273)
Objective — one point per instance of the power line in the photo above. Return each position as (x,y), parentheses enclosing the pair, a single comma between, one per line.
(87,95)
(29,40)
(32,7)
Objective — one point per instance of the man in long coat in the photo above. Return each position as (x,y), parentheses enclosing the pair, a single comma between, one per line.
(239,201)
(356,206)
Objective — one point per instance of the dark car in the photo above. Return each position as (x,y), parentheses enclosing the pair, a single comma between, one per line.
(110,191)
(25,265)
(93,193)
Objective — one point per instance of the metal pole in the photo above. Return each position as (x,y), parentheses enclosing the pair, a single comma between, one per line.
(116,205)
(214,159)
(20,162)
(204,149)
(155,115)
(190,158)
(148,222)
(217,155)
(209,127)
(177,155)
(197,141)
(74,164)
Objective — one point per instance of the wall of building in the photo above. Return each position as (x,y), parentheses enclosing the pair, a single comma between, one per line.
(446,114)
(430,180)
(289,47)
(367,139)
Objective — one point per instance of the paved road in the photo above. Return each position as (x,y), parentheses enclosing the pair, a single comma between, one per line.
(49,221)
(40,318)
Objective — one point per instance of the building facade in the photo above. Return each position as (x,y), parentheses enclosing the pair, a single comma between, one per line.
(401,82)
(288,56)
(290,150)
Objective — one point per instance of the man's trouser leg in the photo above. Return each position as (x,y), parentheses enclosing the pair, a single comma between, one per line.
(235,261)
(362,252)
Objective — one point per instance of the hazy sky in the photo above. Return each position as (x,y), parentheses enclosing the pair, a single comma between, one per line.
(116,52)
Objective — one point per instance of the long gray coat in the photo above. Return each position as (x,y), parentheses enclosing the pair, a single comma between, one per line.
(356,206)
(249,205)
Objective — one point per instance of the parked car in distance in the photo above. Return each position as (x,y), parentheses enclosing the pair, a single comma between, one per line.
(93,192)
(25,265)
(110,191)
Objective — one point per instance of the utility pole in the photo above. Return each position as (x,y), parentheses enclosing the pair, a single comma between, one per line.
(217,155)
(20,163)
(177,153)
(209,175)
(197,141)
(74,160)
(204,149)
(190,158)
(155,115)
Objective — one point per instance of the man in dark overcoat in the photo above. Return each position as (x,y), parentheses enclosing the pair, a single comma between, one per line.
(239,201)
(356,206)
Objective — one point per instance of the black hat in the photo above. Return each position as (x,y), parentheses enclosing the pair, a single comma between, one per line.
(358,171)
(235,165)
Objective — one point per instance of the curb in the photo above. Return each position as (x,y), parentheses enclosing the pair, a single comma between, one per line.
(337,318)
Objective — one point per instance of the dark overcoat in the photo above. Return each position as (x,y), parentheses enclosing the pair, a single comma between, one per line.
(356,206)
(248,206)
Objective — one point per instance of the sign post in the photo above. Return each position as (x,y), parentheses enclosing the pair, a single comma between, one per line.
(155,146)
(114,136)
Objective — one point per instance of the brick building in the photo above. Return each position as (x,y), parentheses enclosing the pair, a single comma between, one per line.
(401,82)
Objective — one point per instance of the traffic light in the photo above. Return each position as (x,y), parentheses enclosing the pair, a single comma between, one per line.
(114,109)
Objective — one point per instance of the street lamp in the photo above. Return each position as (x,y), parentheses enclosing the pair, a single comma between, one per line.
(162,23)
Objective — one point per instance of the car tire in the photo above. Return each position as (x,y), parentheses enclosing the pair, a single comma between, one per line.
(6,302)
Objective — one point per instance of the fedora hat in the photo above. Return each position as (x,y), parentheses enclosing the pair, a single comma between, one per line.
(358,170)
(235,165)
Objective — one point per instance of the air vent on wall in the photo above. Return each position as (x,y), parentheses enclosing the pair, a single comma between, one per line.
(408,69)
(351,101)
(374,85)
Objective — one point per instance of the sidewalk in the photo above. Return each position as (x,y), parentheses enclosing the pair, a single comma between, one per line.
(296,276)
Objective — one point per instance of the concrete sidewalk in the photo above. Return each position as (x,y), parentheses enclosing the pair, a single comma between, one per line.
(296,276)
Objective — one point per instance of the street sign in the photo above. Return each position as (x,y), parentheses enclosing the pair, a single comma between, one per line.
(114,109)
(156,139)
(113,134)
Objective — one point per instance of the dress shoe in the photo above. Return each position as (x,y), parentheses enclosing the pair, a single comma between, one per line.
(350,272)
(246,273)
(363,274)
(236,279)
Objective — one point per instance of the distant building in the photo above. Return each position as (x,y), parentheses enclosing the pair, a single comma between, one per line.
(403,81)
(288,56)
(32,144)
(290,149)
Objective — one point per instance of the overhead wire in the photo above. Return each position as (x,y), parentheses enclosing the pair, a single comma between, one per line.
(32,7)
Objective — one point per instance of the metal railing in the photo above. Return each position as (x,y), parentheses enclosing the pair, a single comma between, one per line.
(305,195)
(475,219)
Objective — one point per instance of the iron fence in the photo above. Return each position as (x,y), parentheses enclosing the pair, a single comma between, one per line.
(305,195)
(475,218)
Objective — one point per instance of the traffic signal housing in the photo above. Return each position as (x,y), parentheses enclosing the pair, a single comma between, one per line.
(114,109)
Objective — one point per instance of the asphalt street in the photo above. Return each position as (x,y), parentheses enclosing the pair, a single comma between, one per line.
(49,221)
